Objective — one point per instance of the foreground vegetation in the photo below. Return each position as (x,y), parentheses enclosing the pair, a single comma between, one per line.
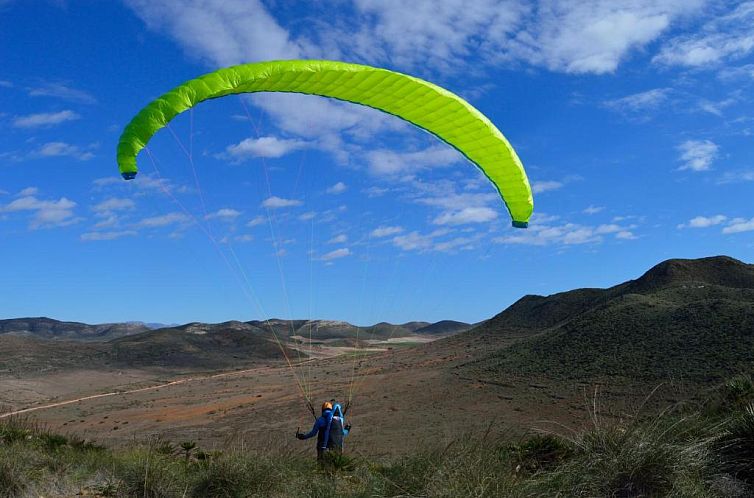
(701,451)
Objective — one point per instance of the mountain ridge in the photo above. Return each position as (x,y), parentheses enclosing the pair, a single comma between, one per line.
(682,317)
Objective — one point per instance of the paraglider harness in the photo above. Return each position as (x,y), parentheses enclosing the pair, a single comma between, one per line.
(335,430)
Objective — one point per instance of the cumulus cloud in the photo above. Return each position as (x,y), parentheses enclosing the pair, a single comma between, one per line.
(336,254)
(338,239)
(62,149)
(270,147)
(545,186)
(336,189)
(44,119)
(386,231)
(594,36)
(697,155)
(257,220)
(545,233)
(726,37)
(575,36)
(385,162)
(224,214)
(466,215)
(738,225)
(28,191)
(309,215)
(45,213)
(275,202)
(704,221)
(113,204)
(432,241)
(163,220)
(221,32)
(413,241)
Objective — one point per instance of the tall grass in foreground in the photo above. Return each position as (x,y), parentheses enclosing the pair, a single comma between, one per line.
(704,452)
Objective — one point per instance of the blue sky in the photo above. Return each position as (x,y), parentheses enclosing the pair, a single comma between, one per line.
(634,121)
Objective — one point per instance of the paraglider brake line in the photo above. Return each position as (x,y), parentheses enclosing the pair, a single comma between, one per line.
(311,408)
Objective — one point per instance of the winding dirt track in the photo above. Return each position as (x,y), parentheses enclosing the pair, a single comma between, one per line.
(132,391)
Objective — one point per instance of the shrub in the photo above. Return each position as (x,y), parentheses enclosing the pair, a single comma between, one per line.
(538,452)
(12,480)
(735,445)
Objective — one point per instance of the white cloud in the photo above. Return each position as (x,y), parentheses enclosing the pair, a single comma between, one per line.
(466,215)
(704,221)
(544,233)
(625,235)
(336,254)
(376,191)
(545,186)
(309,215)
(697,155)
(46,214)
(338,239)
(163,220)
(222,32)
(739,225)
(113,204)
(385,231)
(28,191)
(594,36)
(271,147)
(62,149)
(575,36)
(91,236)
(593,210)
(386,162)
(737,176)
(722,38)
(224,214)
(413,241)
(716,107)
(336,189)
(6,84)
(44,119)
(737,72)
(275,202)
(455,244)
(639,102)
(62,91)
(324,122)
(257,220)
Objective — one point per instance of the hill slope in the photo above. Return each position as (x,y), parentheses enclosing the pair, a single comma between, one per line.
(691,319)
(47,328)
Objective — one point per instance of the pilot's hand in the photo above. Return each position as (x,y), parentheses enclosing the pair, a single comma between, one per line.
(299,436)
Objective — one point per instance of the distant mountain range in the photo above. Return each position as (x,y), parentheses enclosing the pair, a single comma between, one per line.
(683,319)
(30,344)
(47,328)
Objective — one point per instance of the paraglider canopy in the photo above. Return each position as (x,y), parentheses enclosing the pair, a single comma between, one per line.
(419,102)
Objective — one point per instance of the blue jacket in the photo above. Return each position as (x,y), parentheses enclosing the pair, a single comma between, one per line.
(322,426)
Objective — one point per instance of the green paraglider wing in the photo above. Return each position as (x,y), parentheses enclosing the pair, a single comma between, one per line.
(419,102)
